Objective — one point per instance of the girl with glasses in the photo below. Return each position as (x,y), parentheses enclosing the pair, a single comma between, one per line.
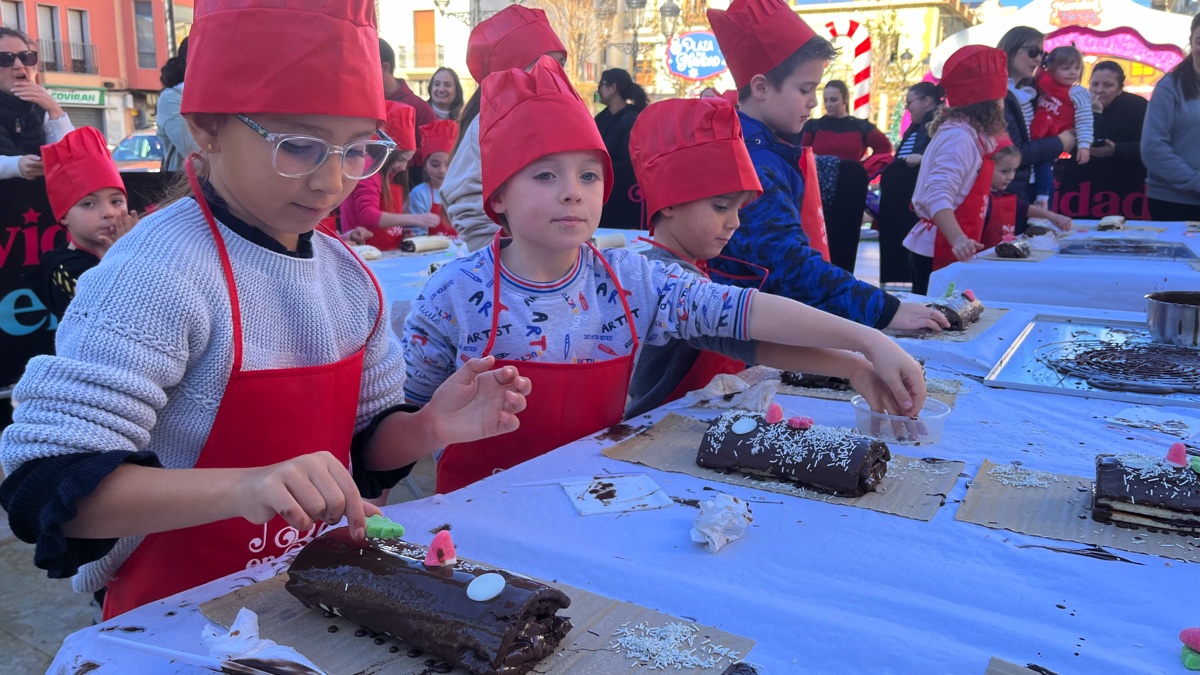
(29,116)
(225,386)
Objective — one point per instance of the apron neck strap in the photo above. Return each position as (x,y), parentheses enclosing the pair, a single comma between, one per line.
(226,265)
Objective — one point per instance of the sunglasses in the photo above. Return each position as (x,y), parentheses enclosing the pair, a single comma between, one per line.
(1034,52)
(29,58)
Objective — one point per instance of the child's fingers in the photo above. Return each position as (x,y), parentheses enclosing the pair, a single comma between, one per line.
(307,496)
(513,402)
(483,365)
(332,493)
(354,506)
(285,504)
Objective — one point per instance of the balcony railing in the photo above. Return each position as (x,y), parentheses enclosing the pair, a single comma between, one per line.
(55,56)
(428,56)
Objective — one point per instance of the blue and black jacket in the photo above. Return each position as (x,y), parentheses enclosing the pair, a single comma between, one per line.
(771,236)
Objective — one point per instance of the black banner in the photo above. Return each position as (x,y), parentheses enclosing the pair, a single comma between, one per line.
(1103,187)
(27,230)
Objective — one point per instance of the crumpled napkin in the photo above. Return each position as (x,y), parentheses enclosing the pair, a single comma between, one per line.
(722,520)
(754,398)
(242,641)
(1044,242)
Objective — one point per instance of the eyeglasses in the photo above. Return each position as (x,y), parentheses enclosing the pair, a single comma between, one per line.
(297,155)
(28,57)
(1034,52)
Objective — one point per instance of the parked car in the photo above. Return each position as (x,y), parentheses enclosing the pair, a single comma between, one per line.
(140,151)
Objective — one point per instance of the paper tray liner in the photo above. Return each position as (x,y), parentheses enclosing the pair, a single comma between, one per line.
(672,444)
(1063,511)
(990,317)
(284,619)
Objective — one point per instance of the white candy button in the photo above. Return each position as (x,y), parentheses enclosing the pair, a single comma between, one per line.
(743,426)
(485,587)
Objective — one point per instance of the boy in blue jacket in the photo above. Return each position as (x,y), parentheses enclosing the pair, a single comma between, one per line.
(777,62)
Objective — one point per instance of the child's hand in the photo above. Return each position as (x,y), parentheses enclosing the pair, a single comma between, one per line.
(477,402)
(426,220)
(891,382)
(965,248)
(121,227)
(914,316)
(1082,155)
(1060,221)
(358,235)
(912,160)
(303,490)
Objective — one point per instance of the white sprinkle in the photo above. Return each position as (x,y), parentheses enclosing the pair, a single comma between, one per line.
(1017,476)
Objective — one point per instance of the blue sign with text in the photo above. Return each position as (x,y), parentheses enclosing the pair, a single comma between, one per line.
(695,56)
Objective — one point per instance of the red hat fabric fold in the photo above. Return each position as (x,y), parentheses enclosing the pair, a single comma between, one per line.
(974,74)
(401,125)
(689,149)
(438,136)
(527,115)
(514,37)
(77,166)
(757,35)
(285,57)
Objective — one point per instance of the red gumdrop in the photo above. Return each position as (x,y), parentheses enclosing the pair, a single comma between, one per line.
(774,413)
(1177,456)
(800,423)
(1190,637)
(969,294)
(441,551)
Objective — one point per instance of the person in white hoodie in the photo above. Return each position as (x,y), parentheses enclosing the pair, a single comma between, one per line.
(512,38)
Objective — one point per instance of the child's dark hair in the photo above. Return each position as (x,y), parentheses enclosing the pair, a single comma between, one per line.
(387,55)
(174,68)
(1185,73)
(1007,151)
(986,117)
(1112,67)
(627,89)
(817,48)
(1066,55)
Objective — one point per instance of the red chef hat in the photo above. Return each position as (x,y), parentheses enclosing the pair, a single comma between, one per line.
(730,95)
(284,57)
(514,37)
(77,166)
(401,125)
(524,116)
(438,136)
(975,74)
(757,35)
(689,149)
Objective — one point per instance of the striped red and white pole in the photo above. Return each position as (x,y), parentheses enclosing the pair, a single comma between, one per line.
(860,39)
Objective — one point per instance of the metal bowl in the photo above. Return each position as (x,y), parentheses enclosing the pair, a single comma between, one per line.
(1174,317)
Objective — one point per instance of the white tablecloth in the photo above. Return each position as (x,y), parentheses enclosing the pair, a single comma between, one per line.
(822,588)
(1104,283)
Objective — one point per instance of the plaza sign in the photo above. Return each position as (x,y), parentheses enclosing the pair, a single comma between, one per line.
(695,56)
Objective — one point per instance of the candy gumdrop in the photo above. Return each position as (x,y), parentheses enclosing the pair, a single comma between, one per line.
(1191,638)
(1190,658)
(774,413)
(800,423)
(969,295)
(1196,464)
(441,551)
(1177,456)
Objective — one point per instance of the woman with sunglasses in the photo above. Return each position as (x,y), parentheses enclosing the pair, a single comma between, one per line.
(1023,45)
(225,385)
(29,116)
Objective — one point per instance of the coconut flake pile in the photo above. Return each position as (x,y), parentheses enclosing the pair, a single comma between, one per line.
(1017,476)
(670,646)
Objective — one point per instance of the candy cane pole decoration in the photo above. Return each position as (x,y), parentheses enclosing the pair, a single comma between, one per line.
(861,88)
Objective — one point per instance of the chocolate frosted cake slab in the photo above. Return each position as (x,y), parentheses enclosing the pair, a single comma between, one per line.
(1018,248)
(1147,492)
(960,310)
(835,461)
(384,586)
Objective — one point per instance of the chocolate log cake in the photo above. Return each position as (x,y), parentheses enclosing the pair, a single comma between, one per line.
(835,461)
(807,381)
(961,310)
(1146,491)
(385,587)
(1017,248)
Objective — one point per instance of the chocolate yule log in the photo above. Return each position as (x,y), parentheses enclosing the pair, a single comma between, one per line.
(385,586)
(835,461)
(961,310)
(1146,491)
(807,381)
(1017,248)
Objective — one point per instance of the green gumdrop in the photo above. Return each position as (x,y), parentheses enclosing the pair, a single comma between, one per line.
(949,290)
(1196,464)
(1190,658)
(379,527)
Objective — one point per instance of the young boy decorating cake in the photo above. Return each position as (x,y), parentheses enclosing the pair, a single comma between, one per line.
(572,316)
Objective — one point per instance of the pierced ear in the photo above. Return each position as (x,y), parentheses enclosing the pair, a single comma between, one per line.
(204,129)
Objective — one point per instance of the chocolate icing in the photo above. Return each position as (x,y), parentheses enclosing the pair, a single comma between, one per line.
(1146,491)
(836,461)
(1018,248)
(1035,230)
(385,586)
(959,311)
(794,379)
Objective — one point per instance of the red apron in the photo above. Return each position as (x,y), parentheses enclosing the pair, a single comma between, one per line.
(970,214)
(1002,221)
(708,364)
(445,228)
(389,238)
(309,409)
(569,401)
(329,226)
(812,216)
